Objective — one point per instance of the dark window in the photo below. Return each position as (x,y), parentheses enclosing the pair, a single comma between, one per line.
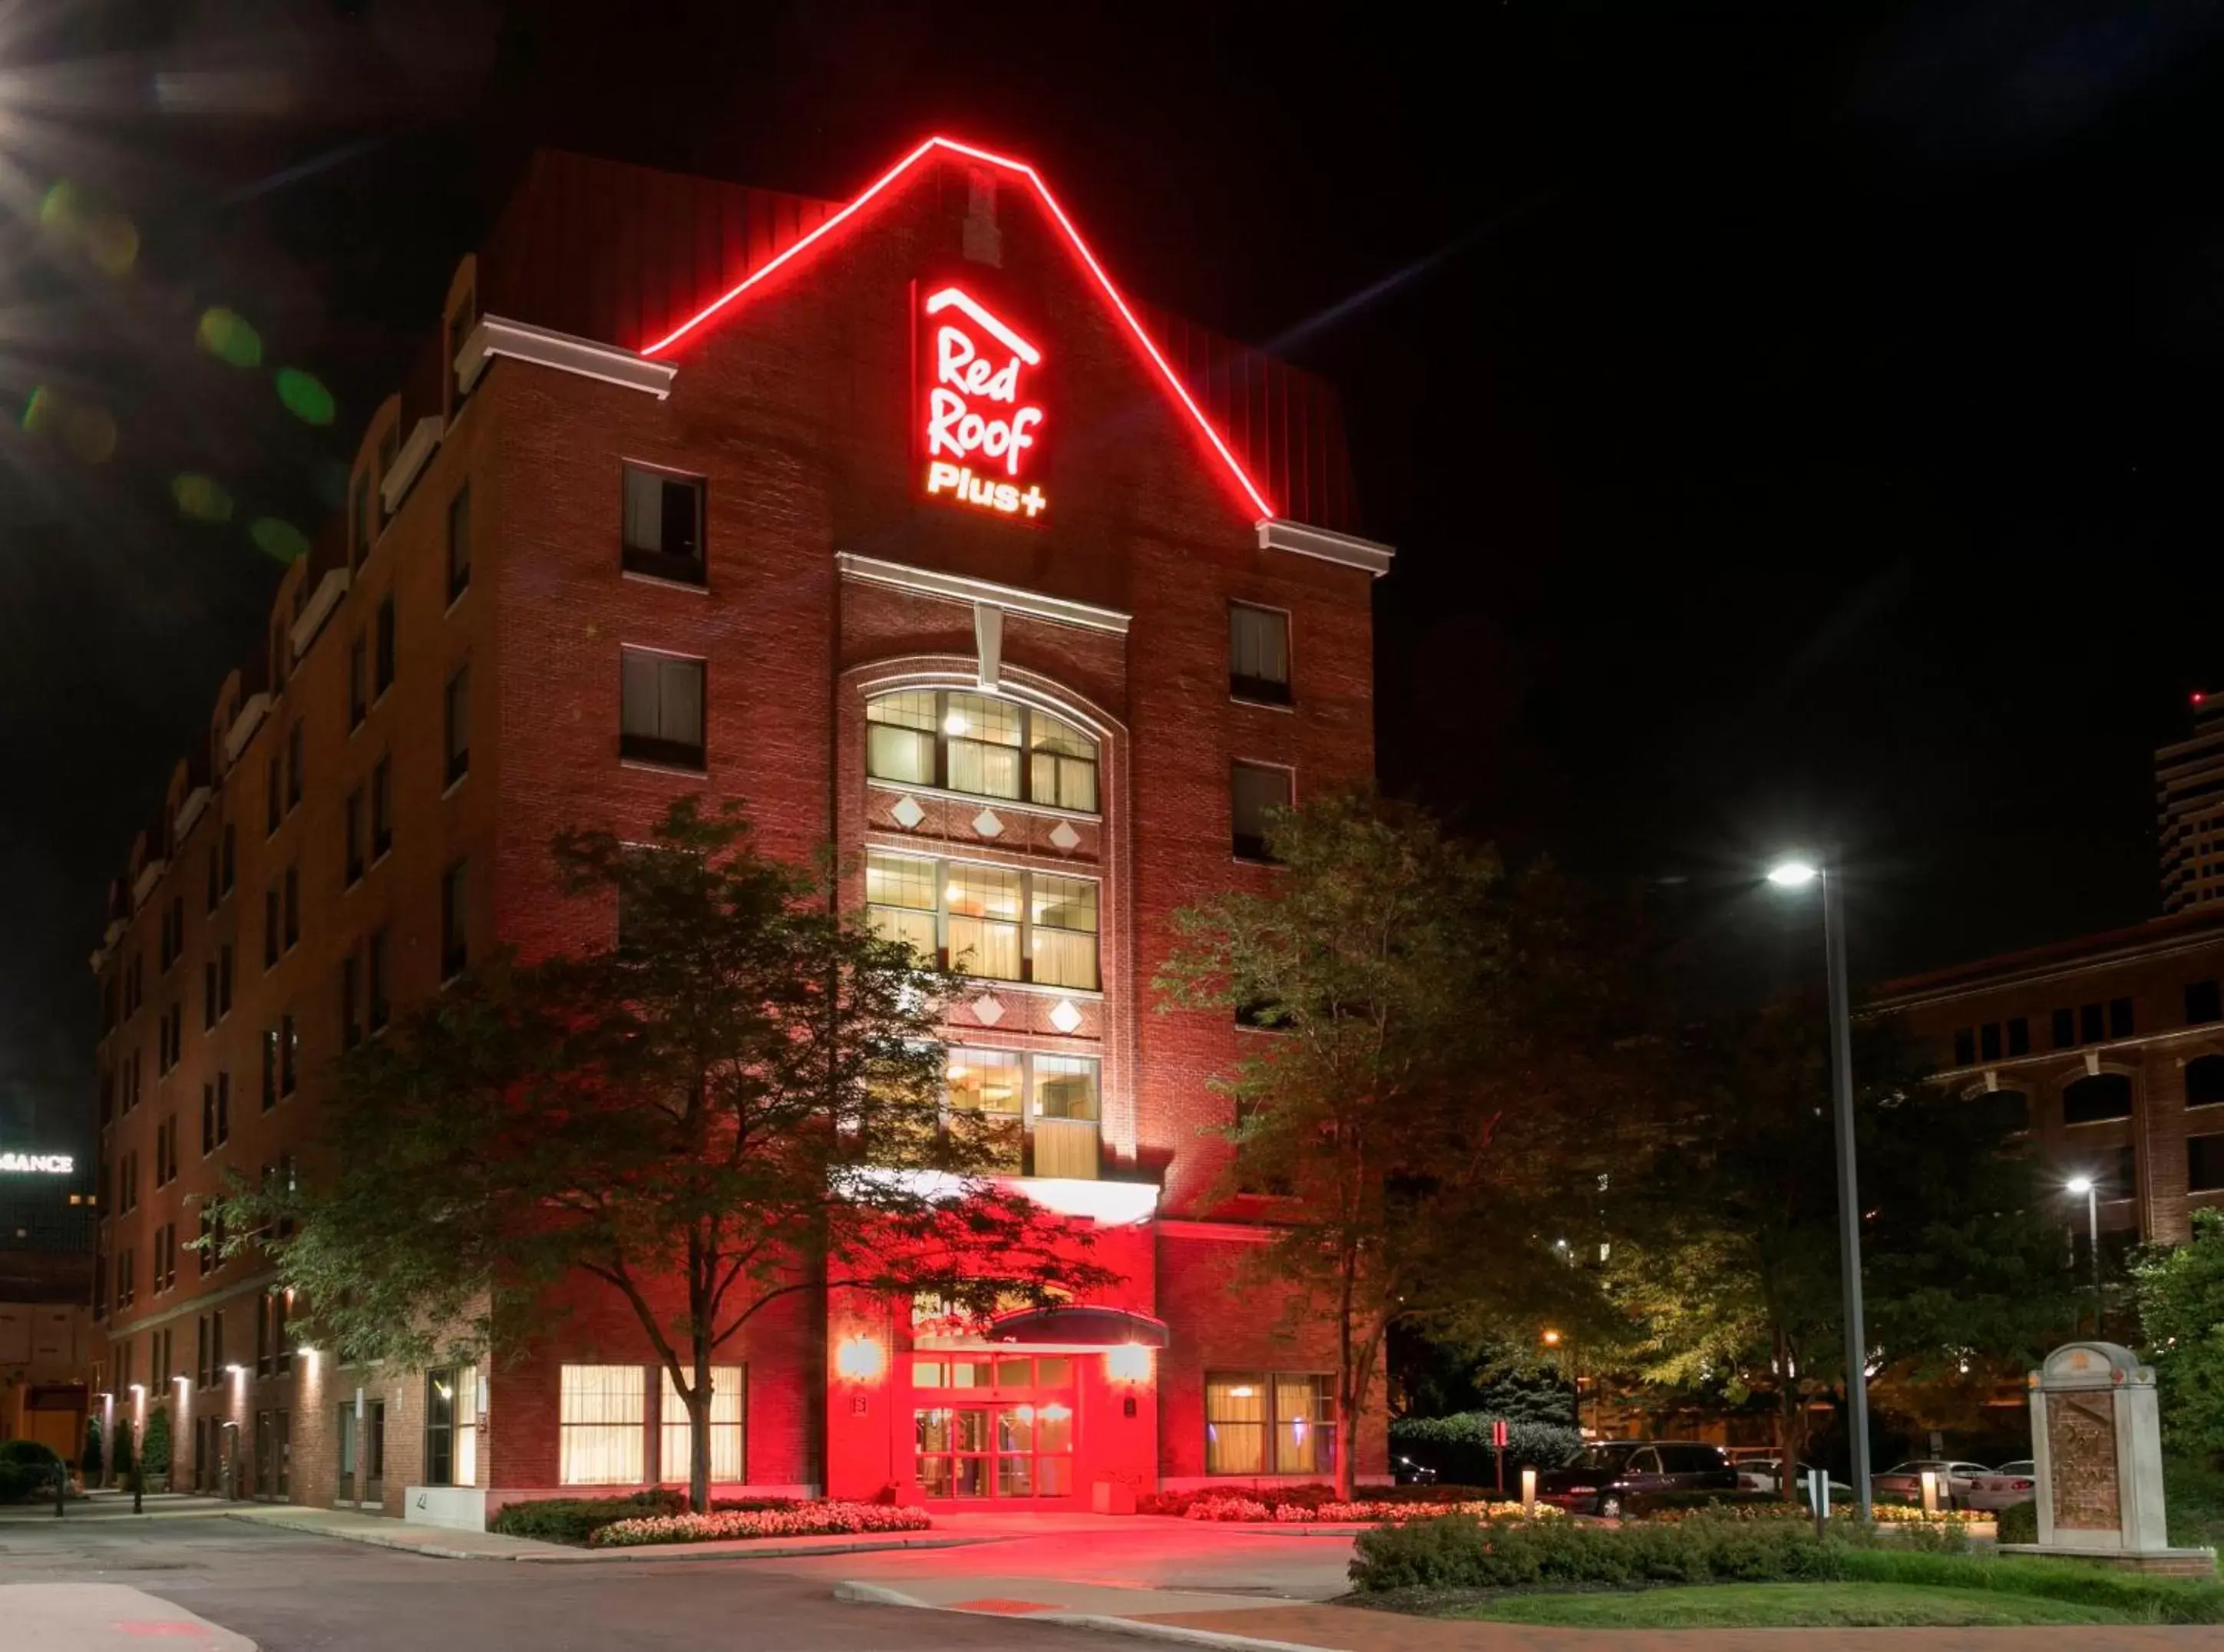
(383,652)
(2092,1026)
(382,809)
(208,996)
(1965,1046)
(355,836)
(224,980)
(459,542)
(661,712)
(2120,1018)
(358,680)
(455,920)
(2018,1036)
(663,526)
(1988,1040)
(269,1067)
(2204,1081)
(2016,1107)
(389,445)
(2202,1002)
(350,1000)
(215,893)
(274,793)
(1258,653)
(294,767)
(2125,1184)
(1255,792)
(375,959)
(2101,1096)
(456,725)
(293,907)
(271,922)
(359,520)
(2204,1164)
(230,856)
(2065,1029)
(289,1054)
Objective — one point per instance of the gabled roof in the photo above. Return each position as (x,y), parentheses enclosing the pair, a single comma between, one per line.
(652,260)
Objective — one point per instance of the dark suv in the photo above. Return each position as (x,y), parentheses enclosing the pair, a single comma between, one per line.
(1615,1477)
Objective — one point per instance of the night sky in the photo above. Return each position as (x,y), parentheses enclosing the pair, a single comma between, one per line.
(1792,429)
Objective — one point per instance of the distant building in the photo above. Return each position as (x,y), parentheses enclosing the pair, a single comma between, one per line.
(2115,1044)
(2189,798)
(47,1348)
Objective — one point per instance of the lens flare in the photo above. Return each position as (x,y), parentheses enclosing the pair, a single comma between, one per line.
(230,339)
(278,539)
(200,497)
(305,397)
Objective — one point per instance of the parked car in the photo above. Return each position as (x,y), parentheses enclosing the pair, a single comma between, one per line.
(1759,1474)
(2005,1486)
(1615,1477)
(1904,1483)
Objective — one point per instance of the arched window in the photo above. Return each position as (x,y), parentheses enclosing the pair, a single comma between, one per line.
(2204,1081)
(980,744)
(2101,1096)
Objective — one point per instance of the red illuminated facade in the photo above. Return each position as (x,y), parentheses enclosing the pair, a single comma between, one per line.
(899,520)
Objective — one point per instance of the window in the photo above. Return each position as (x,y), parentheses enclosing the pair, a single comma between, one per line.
(1988,1040)
(382,809)
(1258,1422)
(452,1435)
(2065,1029)
(215,892)
(293,907)
(990,921)
(374,969)
(166,1152)
(294,766)
(2101,1096)
(1965,1046)
(455,920)
(383,652)
(2204,1164)
(2091,1027)
(210,1251)
(2018,1036)
(274,1351)
(1255,791)
(358,680)
(230,855)
(289,1054)
(726,1430)
(273,793)
(273,922)
(2203,1002)
(208,996)
(663,526)
(216,1113)
(359,520)
(223,980)
(459,542)
(1258,654)
(2204,1081)
(603,1420)
(350,998)
(456,725)
(661,709)
(389,445)
(2120,1018)
(269,1067)
(974,743)
(354,844)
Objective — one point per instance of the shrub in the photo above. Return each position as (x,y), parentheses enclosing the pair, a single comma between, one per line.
(1239,1507)
(797,1520)
(1460,1444)
(2018,1523)
(1278,1498)
(1468,1553)
(576,1520)
(30,1453)
(155,1449)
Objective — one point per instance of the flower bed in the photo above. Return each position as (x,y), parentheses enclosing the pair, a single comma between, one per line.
(797,1520)
(1372,1508)
(1311,1494)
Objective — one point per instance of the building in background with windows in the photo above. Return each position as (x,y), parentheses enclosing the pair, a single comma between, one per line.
(2115,1044)
(2189,802)
(897,519)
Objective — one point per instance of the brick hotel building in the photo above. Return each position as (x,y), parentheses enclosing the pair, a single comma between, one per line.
(896,518)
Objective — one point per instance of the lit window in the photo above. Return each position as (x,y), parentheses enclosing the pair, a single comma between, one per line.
(899,731)
(984,748)
(984,908)
(660,713)
(726,1431)
(1066,1087)
(1065,910)
(453,1405)
(1258,653)
(1269,1424)
(603,1418)
(988,921)
(899,898)
(1062,764)
(663,526)
(974,743)
(987,1080)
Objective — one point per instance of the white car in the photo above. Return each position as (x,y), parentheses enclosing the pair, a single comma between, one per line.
(1903,1483)
(1759,1474)
(2005,1486)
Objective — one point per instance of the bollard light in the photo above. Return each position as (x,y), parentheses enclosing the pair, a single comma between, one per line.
(1930,1491)
(1528,1491)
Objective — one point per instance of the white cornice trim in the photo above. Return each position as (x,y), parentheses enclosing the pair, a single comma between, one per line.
(956,588)
(424,436)
(150,875)
(587,357)
(189,811)
(1276,534)
(252,711)
(317,609)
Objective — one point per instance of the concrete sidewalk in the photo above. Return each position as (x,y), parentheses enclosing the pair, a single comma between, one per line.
(439,1543)
(104,1617)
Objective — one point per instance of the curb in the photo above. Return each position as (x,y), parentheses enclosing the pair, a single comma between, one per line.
(876,1594)
(556,1555)
(374,1540)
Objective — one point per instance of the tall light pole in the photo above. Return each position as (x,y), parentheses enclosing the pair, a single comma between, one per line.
(1794,874)
(2091,1189)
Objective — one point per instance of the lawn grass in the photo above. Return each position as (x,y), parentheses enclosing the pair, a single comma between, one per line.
(2195,1495)
(1784,1605)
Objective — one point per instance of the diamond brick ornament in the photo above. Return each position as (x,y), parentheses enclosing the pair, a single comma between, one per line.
(1063,835)
(988,1009)
(1063,1016)
(987,823)
(907,812)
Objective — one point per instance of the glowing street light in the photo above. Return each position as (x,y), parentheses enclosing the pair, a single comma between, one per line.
(1793,873)
(2091,1189)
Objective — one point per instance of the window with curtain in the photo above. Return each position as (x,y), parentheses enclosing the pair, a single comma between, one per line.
(1235,1423)
(975,743)
(1255,792)
(1066,1087)
(985,909)
(726,1429)
(1269,1422)
(661,709)
(1062,764)
(987,1080)
(985,745)
(899,737)
(996,923)
(1064,914)
(1304,1427)
(899,898)
(1258,653)
(663,526)
(602,1419)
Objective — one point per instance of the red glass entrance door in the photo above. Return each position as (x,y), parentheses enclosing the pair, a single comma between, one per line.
(993,1429)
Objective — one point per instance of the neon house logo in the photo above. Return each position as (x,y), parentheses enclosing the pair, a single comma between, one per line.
(981,426)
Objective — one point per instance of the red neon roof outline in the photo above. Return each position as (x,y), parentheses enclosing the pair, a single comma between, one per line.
(880,185)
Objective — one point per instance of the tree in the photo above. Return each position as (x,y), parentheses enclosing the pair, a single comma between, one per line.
(1963,1282)
(2181,1297)
(738,1098)
(121,1459)
(155,1449)
(89,1458)
(1436,1092)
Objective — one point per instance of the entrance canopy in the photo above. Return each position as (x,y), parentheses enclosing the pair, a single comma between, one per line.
(1072,1326)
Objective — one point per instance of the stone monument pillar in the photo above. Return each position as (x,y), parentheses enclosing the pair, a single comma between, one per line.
(2097,1443)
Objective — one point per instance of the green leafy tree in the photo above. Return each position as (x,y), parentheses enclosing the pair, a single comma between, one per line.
(155,1449)
(2181,1298)
(1433,1094)
(1730,1273)
(739,1097)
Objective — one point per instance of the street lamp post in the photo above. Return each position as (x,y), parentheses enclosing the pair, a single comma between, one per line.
(2091,1189)
(1792,875)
